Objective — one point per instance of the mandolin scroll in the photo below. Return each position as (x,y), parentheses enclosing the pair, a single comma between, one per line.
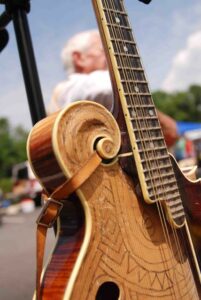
(66,140)
(81,129)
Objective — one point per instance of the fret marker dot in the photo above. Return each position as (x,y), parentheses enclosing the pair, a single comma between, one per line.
(133,113)
(125,49)
(117,20)
(136,89)
(151,112)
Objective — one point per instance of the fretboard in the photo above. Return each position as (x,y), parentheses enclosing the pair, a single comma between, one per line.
(156,174)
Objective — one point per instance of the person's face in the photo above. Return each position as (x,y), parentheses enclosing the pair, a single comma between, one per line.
(94,58)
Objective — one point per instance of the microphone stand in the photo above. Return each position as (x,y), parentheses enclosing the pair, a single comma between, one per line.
(16,10)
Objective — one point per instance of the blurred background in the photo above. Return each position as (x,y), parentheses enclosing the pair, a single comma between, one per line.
(168,35)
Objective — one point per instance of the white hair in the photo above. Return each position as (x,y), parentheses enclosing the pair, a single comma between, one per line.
(79,42)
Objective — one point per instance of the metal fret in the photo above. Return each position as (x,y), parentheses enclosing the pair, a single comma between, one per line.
(134,93)
(119,40)
(160,193)
(155,151)
(164,187)
(119,26)
(134,81)
(161,162)
(177,210)
(143,118)
(162,166)
(114,11)
(162,159)
(172,186)
(181,214)
(153,170)
(145,129)
(148,139)
(128,55)
(129,69)
(169,199)
(174,203)
(169,175)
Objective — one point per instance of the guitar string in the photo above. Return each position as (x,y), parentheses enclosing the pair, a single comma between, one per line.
(117,47)
(161,249)
(163,220)
(178,245)
(147,283)
(161,209)
(135,80)
(146,280)
(185,246)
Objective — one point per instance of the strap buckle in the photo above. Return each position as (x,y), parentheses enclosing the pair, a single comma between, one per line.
(46,219)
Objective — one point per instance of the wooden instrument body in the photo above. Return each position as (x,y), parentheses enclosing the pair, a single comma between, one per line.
(111,244)
(107,233)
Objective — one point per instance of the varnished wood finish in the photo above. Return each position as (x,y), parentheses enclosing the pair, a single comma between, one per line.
(111,235)
(191,196)
(114,235)
(70,238)
(128,247)
(41,155)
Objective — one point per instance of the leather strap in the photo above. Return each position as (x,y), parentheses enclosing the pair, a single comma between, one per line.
(52,208)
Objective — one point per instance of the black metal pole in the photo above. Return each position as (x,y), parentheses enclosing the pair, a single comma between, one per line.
(5,18)
(29,69)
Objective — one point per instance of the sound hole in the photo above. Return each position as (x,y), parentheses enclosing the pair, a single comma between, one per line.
(108,290)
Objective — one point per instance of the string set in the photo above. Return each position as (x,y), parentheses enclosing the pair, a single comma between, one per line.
(116,10)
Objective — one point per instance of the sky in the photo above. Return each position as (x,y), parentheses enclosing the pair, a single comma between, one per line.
(168,35)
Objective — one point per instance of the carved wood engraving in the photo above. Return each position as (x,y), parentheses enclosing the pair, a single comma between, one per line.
(128,246)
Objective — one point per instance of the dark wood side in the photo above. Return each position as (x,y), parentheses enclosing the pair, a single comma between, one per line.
(63,258)
(191,195)
(71,222)
(41,154)
(191,199)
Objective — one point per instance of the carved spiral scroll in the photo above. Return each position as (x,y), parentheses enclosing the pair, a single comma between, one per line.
(80,129)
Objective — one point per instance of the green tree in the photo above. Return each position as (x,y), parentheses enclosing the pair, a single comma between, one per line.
(182,106)
(12,145)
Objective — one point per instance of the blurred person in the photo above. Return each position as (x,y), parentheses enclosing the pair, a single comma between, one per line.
(88,79)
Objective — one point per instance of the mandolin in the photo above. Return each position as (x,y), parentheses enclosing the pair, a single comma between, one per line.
(124,233)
